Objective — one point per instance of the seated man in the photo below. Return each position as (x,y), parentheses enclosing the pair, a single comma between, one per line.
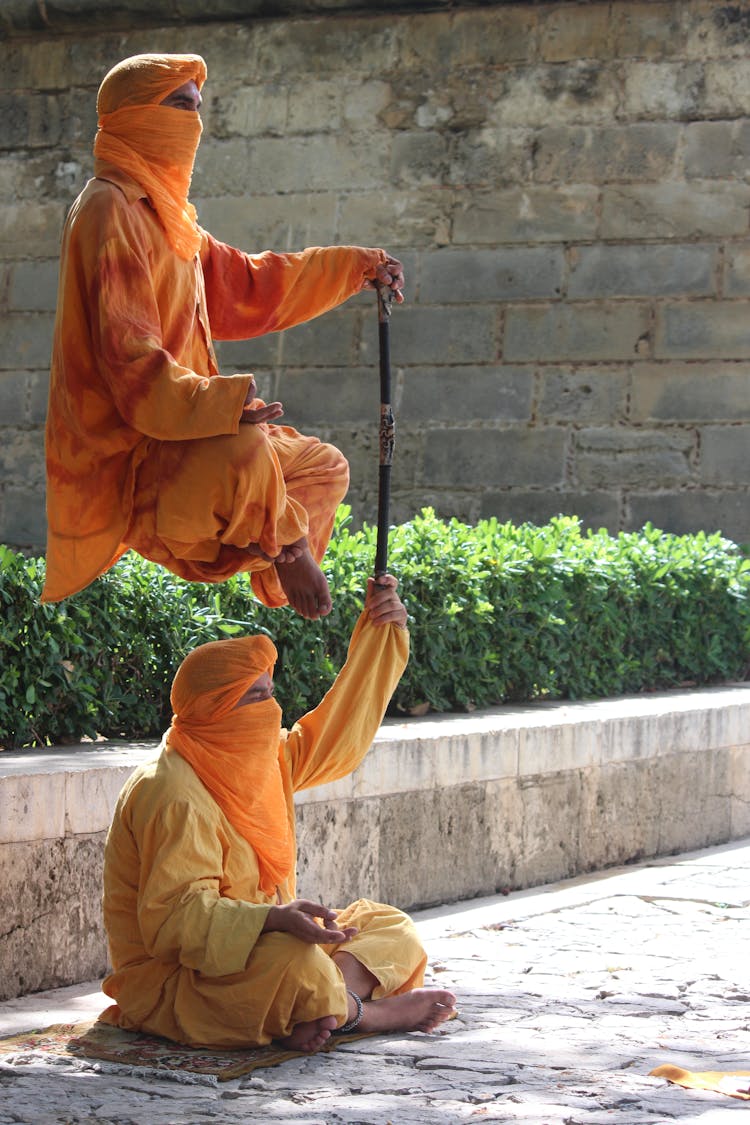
(146,446)
(208,943)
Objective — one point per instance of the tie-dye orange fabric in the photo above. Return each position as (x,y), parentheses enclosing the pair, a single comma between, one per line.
(199,503)
(153,143)
(134,370)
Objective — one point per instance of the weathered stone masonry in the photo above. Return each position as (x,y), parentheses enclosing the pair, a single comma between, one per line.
(567,184)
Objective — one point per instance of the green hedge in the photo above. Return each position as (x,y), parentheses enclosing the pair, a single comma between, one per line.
(497,613)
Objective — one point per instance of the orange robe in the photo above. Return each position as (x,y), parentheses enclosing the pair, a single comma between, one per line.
(182,904)
(144,444)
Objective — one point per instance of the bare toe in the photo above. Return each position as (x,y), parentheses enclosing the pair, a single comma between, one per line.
(310,1035)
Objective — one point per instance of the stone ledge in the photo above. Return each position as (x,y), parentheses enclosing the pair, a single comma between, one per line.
(443,808)
(55,16)
(46,794)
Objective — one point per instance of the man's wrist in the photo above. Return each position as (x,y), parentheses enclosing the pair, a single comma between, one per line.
(273,921)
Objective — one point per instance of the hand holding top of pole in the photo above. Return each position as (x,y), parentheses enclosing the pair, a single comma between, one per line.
(388,275)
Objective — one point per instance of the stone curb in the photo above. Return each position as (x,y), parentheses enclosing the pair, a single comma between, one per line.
(442,809)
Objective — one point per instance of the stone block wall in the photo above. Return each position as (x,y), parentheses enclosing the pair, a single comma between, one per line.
(567,184)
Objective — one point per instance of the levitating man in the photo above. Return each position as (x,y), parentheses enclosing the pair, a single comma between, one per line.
(148,446)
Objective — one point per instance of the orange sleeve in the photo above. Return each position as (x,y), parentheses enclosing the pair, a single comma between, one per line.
(249,295)
(331,741)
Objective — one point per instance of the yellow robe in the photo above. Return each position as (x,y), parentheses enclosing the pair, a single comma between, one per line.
(144,443)
(182,906)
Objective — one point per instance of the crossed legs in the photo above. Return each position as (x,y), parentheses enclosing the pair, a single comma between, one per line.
(263,500)
(419,1009)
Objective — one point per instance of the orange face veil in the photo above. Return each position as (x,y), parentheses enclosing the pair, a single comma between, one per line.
(236,751)
(153,143)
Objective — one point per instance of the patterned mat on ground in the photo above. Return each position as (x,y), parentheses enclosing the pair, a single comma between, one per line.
(735,1083)
(94,1040)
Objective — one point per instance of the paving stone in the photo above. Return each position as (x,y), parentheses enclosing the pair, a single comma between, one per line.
(568,996)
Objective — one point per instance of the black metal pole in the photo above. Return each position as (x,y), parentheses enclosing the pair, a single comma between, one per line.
(387,429)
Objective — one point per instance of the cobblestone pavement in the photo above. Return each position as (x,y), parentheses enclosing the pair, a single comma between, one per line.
(568,996)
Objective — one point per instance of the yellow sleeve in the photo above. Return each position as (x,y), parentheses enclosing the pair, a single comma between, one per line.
(331,741)
(181,914)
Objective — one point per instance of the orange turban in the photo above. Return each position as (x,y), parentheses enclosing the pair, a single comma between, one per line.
(154,143)
(236,751)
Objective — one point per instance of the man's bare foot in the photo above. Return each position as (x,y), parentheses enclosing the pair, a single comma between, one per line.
(303,581)
(422,1009)
(310,1035)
